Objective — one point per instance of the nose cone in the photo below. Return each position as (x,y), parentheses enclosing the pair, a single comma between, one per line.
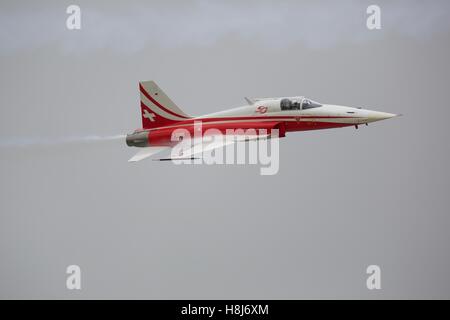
(377,116)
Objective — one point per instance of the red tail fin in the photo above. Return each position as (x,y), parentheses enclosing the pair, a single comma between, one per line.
(157,108)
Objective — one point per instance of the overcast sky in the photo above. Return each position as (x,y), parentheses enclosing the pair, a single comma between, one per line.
(130,27)
(342,200)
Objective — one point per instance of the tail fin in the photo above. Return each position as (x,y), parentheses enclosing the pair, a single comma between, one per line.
(157,108)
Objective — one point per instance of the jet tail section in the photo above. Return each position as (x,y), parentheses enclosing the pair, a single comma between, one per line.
(157,109)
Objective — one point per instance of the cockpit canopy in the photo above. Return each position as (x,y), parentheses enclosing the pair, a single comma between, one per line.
(300,103)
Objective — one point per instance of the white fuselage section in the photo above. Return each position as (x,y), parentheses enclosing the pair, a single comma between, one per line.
(327,112)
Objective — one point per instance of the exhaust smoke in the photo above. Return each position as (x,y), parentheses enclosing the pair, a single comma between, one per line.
(45,141)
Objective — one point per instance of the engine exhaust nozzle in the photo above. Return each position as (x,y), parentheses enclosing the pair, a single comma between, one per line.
(137,139)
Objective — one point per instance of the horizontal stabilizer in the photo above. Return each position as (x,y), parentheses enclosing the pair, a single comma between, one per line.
(147,152)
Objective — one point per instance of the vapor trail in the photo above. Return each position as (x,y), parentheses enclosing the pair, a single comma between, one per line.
(45,141)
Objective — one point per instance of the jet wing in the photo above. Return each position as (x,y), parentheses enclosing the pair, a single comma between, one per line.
(199,148)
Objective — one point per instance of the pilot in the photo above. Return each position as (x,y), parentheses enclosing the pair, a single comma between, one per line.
(285,104)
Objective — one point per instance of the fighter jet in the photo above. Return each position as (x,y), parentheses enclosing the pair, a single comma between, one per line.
(161,117)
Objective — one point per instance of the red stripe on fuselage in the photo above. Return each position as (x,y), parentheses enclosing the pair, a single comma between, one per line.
(163,136)
(254,118)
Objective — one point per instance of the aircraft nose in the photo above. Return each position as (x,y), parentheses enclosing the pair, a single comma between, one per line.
(377,116)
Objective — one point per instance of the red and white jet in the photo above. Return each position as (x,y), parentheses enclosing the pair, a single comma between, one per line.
(161,117)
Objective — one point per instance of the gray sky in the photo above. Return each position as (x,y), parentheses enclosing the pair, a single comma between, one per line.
(343,199)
